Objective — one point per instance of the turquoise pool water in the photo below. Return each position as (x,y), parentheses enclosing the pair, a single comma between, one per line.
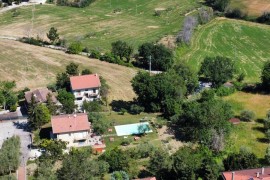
(137,128)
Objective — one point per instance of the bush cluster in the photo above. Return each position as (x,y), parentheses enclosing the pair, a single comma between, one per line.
(225,91)
(78,4)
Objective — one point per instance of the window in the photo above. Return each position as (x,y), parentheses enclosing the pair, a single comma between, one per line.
(94,90)
(79,98)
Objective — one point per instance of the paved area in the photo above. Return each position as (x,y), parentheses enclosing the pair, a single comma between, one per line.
(21,173)
(10,128)
(13,6)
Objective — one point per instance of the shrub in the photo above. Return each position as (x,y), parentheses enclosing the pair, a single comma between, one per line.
(95,54)
(13,108)
(86,50)
(21,93)
(75,48)
(239,85)
(225,91)
(247,115)
(264,18)
(136,109)
(236,14)
(122,111)
(125,142)
(32,41)
(52,87)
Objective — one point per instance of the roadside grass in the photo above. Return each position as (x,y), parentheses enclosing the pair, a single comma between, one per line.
(35,67)
(251,7)
(245,42)
(103,22)
(249,134)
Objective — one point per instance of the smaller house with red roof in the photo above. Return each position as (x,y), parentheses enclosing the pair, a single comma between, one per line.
(85,88)
(73,129)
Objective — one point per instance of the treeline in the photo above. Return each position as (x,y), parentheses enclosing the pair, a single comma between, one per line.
(72,3)
(10,155)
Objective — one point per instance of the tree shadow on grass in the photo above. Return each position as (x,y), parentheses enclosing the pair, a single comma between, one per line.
(255,89)
(260,129)
(144,173)
(263,140)
(117,105)
(261,121)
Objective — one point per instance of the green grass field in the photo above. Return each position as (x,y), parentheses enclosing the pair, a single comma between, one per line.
(245,42)
(102,22)
(250,134)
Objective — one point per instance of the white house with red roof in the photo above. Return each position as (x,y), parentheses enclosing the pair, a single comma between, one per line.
(85,88)
(73,129)
(76,131)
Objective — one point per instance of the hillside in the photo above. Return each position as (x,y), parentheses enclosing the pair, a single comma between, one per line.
(102,22)
(34,66)
(245,42)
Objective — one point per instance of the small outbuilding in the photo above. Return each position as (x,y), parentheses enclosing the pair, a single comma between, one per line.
(234,121)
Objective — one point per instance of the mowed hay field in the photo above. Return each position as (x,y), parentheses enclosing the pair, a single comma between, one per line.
(103,22)
(250,134)
(34,66)
(252,7)
(248,44)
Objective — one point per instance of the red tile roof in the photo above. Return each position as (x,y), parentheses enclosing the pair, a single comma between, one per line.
(234,121)
(84,81)
(39,94)
(248,174)
(70,123)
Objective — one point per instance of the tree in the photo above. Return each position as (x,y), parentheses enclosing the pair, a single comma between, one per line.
(136,109)
(53,36)
(268,134)
(67,100)
(247,115)
(72,69)
(189,25)
(122,49)
(209,169)
(186,162)
(104,90)
(267,121)
(86,71)
(44,170)
(203,121)
(219,5)
(117,159)
(10,155)
(39,116)
(189,76)
(267,155)
(264,18)
(265,76)
(53,148)
(161,57)
(77,165)
(242,160)
(21,93)
(8,97)
(92,106)
(217,69)
(159,163)
(62,81)
(99,123)
(160,93)
(51,105)
(75,48)
(119,175)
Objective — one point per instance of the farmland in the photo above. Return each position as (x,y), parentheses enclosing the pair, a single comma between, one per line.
(252,7)
(102,22)
(34,66)
(245,42)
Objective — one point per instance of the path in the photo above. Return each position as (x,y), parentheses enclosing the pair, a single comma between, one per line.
(21,173)
(13,6)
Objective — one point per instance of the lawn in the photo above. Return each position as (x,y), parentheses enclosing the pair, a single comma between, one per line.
(34,66)
(102,22)
(245,42)
(250,134)
(252,7)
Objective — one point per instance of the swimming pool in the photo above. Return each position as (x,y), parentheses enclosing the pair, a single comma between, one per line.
(137,128)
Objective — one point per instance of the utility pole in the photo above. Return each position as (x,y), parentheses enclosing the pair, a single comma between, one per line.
(150,63)
(33,16)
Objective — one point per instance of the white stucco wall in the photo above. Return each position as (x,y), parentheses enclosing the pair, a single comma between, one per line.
(70,137)
(81,93)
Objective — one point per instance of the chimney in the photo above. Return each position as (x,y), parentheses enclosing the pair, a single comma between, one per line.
(69,116)
(75,115)
(96,74)
(233,175)
(262,170)
(258,174)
